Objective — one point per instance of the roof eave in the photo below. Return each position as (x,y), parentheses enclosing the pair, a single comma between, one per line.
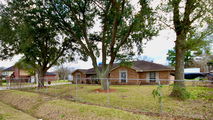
(154,70)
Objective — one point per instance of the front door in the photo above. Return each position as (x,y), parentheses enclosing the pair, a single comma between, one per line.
(123,76)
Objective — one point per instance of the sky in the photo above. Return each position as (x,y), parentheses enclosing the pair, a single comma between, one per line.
(156,49)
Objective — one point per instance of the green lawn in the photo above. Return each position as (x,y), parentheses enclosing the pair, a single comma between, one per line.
(9,113)
(25,83)
(60,81)
(3,83)
(51,108)
(139,99)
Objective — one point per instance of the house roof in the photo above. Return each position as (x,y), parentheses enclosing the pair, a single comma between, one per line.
(92,70)
(50,73)
(12,68)
(81,70)
(139,66)
(9,69)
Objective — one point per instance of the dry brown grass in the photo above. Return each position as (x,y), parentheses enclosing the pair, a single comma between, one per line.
(9,113)
(139,99)
(50,108)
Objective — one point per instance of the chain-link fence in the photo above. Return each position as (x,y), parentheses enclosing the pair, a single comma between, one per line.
(146,96)
(28,82)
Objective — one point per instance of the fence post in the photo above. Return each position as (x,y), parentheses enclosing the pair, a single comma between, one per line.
(160,99)
(108,97)
(8,83)
(76,89)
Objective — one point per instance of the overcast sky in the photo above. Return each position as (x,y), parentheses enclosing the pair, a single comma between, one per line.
(155,49)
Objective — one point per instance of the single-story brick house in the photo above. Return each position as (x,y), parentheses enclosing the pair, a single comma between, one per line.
(140,72)
(24,75)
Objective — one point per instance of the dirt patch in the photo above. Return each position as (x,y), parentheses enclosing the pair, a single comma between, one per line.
(104,91)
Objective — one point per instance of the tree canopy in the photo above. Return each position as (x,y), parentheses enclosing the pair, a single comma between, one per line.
(26,29)
(120,28)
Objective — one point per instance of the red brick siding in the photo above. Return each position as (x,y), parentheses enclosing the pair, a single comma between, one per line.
(164,75)
(131,74)
(143,76)
(51,77)
(83,76)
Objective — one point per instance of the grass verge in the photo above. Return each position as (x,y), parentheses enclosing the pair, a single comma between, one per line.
(50,108)
(139,99)
(9,113)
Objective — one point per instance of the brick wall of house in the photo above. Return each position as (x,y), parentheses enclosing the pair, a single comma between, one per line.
(51,77)
(164,75)
(83,76)
(131,74)
(143,76)
(23,73)
(171,77)
(16,73)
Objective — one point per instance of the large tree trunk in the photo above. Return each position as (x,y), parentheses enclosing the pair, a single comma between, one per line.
(179,90)
(179,67)
(41,79)
(103,77)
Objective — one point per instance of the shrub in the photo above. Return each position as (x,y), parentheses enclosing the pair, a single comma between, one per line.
(180,92)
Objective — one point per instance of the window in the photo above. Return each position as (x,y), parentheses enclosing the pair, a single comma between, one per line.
(152,76)
(123,76)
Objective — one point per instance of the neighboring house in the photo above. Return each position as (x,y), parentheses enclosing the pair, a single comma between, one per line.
(141,72)
(51,76)
(23,75)
(7,72)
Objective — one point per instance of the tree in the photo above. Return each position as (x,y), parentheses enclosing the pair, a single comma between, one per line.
(200,47)
(202,62)
(210,64)
(23,64)
(6,34)
(145,58)
(63,72)
(188,58)
(121,28)
(189,17)
(1,68)
(26,29)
